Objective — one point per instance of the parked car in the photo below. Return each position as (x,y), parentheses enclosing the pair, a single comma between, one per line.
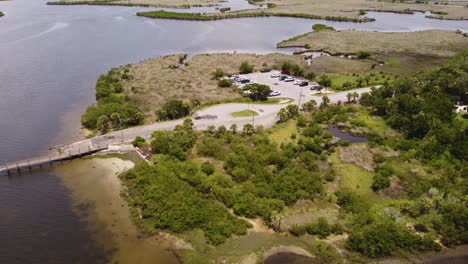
(233,76)
(251,82)
(314,87)
(247,92)
(275,75)
(304,83)
(283,77)
(275,93)
(244,80)
(265,70)
(289,79)
(298,81)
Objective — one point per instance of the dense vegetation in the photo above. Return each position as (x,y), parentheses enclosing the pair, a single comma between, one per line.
(402,204)
(320,27)
(113,110)
(173,109)
(227,15)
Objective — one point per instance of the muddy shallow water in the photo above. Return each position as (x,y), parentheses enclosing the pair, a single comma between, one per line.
(95,192)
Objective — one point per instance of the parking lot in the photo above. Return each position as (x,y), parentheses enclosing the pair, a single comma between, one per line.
(287,89)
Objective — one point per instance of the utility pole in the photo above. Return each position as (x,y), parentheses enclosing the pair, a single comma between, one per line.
(300,97)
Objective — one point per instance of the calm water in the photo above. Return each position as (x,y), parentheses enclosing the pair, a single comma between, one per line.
(50,57)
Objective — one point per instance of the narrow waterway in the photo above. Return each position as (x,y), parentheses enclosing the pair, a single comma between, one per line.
(50,57)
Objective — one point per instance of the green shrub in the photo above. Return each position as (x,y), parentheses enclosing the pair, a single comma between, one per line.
(224,83)
(322,228)
(297,230)
(259,92)
(173,109)
(175,143)
(138,141)
(386,238)
(320,27)
(246,68)
(363,54)
(207,168)
(218,73)
(167,202)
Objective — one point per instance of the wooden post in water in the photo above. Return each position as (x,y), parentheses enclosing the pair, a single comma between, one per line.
(29,165)
(17,168)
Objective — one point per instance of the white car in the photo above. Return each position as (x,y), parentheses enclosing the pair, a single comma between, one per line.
(251,82)
(297,82)
(275,75)
(289,79)
(275,93)
(247,92)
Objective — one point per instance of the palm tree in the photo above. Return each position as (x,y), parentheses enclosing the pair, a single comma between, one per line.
(355,95)
(367,79)
(349,95)
(359,81)
(325,101)
(248,129)
(233,128)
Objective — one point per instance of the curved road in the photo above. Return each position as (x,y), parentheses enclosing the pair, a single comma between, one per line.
(216,115)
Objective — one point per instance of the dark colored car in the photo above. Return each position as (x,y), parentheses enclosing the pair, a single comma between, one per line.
(265,70)
(302,84)
(244,81)
(282,77)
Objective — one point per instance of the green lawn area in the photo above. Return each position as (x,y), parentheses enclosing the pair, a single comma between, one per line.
(245,113)
(356,179)
(282,133)
(338,80)
(376,123)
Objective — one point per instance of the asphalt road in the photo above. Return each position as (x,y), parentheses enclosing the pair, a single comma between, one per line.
(218,115)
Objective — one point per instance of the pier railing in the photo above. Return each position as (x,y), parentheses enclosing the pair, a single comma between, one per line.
(49,159)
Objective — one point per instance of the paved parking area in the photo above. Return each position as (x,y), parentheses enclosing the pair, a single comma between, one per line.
(287,89)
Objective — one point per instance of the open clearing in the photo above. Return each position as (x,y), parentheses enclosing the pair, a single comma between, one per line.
(154,81)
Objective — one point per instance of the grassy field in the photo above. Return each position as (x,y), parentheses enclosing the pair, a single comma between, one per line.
(429,42)
(152,82)
(245,113)
(353,8)
(154,3)
(402,53)
(282,133)
(340,81)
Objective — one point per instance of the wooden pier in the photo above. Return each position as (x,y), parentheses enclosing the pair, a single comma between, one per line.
(57,156)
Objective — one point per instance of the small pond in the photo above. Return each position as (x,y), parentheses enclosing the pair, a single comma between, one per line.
(346,136)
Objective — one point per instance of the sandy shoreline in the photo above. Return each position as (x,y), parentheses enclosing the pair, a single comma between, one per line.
(95,190)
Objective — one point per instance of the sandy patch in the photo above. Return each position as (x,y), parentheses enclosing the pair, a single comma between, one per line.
(360,155)
(287,249)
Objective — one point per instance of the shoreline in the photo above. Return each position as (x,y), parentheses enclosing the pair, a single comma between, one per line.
(94,185)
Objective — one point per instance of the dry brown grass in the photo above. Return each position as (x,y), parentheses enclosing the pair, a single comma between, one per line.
(360,155)
(351,8)
(429,42)
(155,3)
(154,81)
(337,65)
